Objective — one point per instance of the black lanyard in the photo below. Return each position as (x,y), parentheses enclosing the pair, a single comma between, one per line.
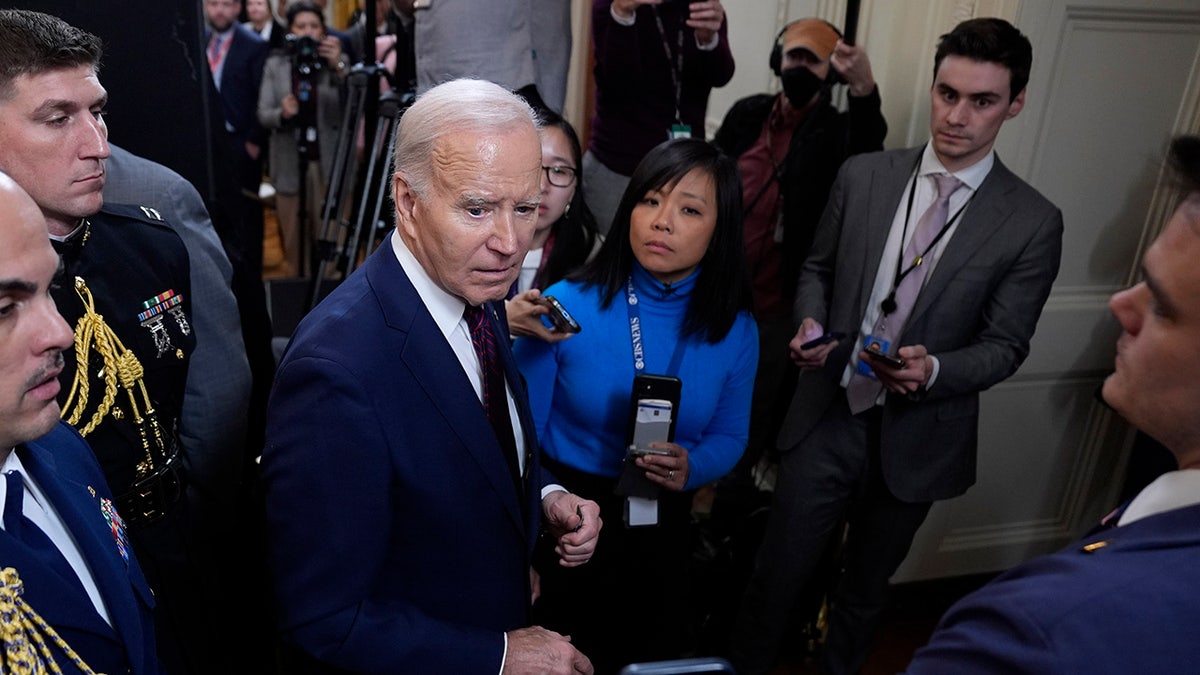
(674,64)
(889,303)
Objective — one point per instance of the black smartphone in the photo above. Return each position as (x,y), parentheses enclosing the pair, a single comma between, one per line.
(817,341)
(885,359)
(560,318)
(653,387)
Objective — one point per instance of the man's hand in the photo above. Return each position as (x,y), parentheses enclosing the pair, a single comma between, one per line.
(575,523)
(807,359)
(525,318)
(706,19)
(535,650)
(915,373)
(851,62)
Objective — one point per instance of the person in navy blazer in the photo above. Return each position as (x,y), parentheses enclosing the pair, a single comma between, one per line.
(1126,597)
(914,442)
(113,631)
(398,537)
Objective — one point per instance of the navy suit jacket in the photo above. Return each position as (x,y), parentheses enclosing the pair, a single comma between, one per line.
(397,538)
(241,77)
(1127,606)
(976,313)
(69,474)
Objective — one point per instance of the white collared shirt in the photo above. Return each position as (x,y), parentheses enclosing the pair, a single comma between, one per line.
(42,513)
(1172,490)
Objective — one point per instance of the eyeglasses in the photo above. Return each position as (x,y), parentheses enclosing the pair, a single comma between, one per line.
(560,176)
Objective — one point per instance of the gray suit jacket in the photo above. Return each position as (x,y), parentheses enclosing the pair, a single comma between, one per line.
(218,381)
(976,314)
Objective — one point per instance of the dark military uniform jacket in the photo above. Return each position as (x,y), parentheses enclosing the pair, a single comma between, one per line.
(137,272)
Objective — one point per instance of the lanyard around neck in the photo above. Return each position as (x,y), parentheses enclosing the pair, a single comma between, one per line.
(889,303)
(635,334)
(674,63)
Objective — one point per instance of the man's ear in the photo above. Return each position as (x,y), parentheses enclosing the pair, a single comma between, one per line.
(1015,107)
(405,201)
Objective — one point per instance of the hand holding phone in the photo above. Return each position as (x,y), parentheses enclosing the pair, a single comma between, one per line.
(879,358)
(826,338)
(560,319)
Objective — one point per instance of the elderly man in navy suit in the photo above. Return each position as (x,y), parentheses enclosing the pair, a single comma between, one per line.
(64,553)
(934,262)
(1124,598)
(404,490)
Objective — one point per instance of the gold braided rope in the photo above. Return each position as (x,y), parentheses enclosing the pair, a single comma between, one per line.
(120,366)
(24,632)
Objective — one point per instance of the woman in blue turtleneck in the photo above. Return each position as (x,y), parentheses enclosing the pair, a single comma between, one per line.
(672,260)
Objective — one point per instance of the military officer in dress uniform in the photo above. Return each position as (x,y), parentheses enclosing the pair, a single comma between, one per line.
(125,290)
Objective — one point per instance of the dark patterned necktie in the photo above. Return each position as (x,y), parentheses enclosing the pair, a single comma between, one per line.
(495,399)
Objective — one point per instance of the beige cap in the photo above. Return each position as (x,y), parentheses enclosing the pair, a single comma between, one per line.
(814,35)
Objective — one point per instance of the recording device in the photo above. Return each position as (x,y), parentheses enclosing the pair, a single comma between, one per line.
(303,50)
(654,403)
(306,63)
(557,317)
(694,666)
(817,341)
(884,359)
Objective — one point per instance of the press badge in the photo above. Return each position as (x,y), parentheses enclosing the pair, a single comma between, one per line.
(864,368)
(679,131)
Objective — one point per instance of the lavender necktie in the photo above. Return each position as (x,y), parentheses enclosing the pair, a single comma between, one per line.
(862,391)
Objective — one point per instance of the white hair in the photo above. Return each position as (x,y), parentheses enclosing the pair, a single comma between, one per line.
(457,106)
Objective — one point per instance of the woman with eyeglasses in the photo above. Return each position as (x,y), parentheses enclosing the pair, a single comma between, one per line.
(667,294)
(565,235)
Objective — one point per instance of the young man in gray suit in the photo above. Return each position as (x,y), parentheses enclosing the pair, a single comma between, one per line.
(939,259)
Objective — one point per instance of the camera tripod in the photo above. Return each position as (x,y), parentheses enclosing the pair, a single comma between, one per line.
(354,218)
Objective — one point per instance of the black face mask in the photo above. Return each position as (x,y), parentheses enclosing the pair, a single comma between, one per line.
(799,85)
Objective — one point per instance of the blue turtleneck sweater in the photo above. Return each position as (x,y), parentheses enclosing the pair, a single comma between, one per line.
(579,388)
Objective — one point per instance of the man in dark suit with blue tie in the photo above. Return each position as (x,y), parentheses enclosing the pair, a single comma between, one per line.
(402,510)
(64,553)
(1124,598)
(940,259)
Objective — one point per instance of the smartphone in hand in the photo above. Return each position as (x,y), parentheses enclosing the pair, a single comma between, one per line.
(878,357)
(818,341)
(560,319)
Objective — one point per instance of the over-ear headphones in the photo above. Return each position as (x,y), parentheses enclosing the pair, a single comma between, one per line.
(776,58)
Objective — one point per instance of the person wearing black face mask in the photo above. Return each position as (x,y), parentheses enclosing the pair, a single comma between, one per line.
(789,147)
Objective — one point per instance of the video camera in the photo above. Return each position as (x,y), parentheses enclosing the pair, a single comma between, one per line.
(306,63)
(303,49)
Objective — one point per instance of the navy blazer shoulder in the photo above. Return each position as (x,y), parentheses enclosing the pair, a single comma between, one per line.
(1121,600)
(63,466)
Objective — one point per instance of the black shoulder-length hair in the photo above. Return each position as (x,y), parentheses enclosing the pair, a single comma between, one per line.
(723,287)
(575,232)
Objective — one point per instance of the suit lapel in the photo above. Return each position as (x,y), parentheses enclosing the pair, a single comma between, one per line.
(79,508)
(426,353)
(887,194)
(988,212)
